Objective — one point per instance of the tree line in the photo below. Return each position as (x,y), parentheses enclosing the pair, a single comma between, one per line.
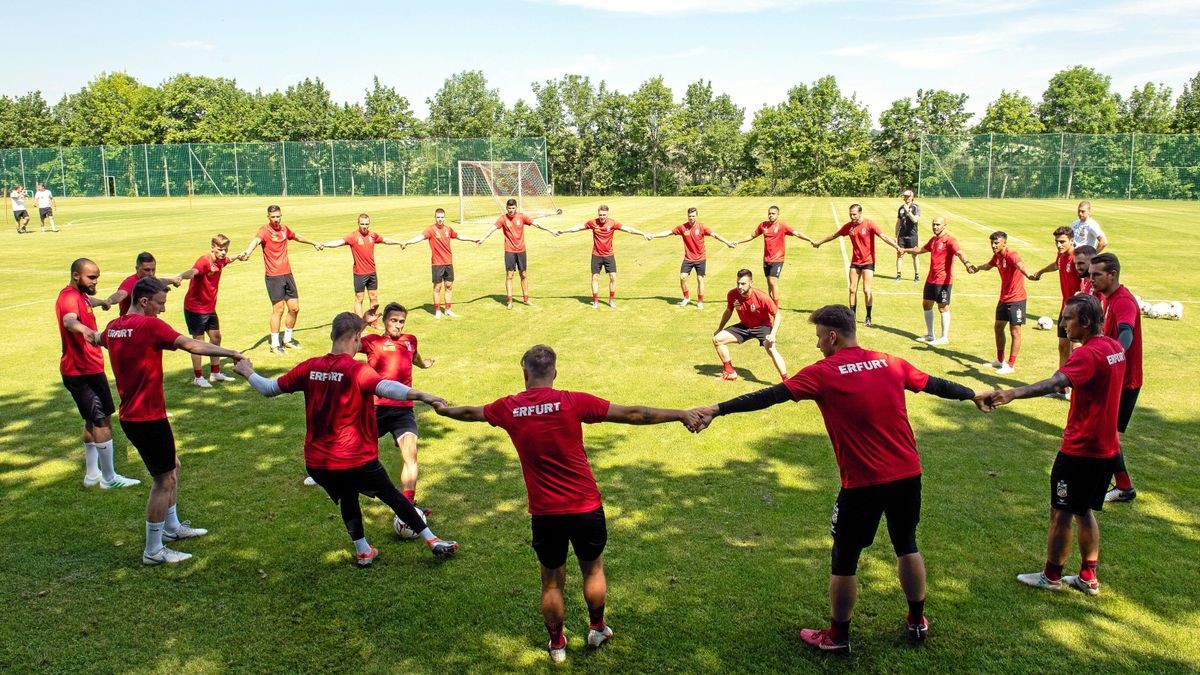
(819,140)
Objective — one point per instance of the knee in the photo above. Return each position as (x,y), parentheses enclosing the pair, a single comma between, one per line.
(844,560)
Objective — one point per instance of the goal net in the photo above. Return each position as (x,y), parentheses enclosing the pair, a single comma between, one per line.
(484,187)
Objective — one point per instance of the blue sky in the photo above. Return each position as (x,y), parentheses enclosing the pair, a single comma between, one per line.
(754,50)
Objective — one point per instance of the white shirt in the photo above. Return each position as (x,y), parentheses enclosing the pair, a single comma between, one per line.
(18,200)
(43,198)
(1086,232)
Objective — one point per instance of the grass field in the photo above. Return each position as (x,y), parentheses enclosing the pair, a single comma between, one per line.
(718,548)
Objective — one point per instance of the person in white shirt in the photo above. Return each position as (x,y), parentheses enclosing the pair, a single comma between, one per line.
(1086,231)
(45,202)
(17,197)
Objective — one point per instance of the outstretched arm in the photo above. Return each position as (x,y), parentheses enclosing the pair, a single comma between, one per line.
(577,228)
(72,323)
(817,244)
(417,239)
(201,348)
(1036,276)
(725,241)
(634,231)
(660,235)
(890,241)
(489,233)
(800,235)
(462,413)
(332,243)
(249,249)
(305,240)
(1047,386)
(543,228)
(398,391)
(262,385)
(638,414)
(967,263)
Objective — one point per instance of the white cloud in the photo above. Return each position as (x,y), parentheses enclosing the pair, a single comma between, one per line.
(196,45)
(662,7)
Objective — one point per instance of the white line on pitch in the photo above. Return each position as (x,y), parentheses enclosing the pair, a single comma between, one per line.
(981,226)
(26,304)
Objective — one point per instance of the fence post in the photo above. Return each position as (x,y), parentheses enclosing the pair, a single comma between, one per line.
(1129,185)
(920,164)
(283,165)
(191,173)
(1062,138)
(991,140)
(146,159)
(237,179)
(104,171)
(21,154)
(62,171)
(385,168)
(332,169)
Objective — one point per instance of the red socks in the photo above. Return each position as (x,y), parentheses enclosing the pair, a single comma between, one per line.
(410,495)
(1087,571)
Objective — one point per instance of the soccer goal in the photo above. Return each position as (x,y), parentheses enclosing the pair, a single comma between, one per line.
(484,187)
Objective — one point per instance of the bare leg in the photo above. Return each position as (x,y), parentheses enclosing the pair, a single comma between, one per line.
(408,455)
(843,594)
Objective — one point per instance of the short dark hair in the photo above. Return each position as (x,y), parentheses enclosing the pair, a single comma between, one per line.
(510,202)
(394,307)
(1063,231)
(1089,311)
(772,208)
(602,207)
(744,273)
(441,211)
(838,317)
(998,234)
(539,361)
(77,266)
(363,215)
(144,257)
(274,208)
(692,210)
(1086,249)
(345,324)
(1110,262)
(221,241)
(147,287)
(856,207)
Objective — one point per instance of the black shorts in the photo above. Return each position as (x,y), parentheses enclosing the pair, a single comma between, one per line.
(1129,399)
(398,420)
(742,333)
(45,213)
(281,288)
(1011,312)
(199,324)
(607,262)
(20,215)
(365,282)
(857,512)
(689,265)
(154,442)
(869,267)
(907,240)
(1079,483)
(92,397)
(369,479)
(939,293)
(772,269)
(443,273)
(587,533)
(515,262)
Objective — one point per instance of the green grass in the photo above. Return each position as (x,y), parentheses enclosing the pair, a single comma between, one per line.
(718,547)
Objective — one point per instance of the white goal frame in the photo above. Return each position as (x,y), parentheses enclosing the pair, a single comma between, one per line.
(491,184)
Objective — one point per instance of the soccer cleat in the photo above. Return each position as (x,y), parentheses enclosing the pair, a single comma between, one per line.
(528,303)
(91,481)
(917,632)
(219,377)
(1039,580)
(925,338)
(897,277)
(596,638)
(699,304)
(612,303)
(940,341)
(1077,582)
(1119,495)
(442,549)
(292,344)
(365,559)
(508,305)
(1005,369)
(684,302)
(729,375)
(437,314)
(308,480)
(164,555)
(916,278)
(184,531)
(595,304)
(557,654)
(118,481)
(995,364)
(450,313)
(202,383)
(275,351)
(823,639)
(868,323)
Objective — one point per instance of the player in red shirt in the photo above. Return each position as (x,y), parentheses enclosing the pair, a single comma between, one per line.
(694,255)
(135,343)
(144,266)
(1123,323)
(603,257)
(1083,265)
(200,306)
(862,233)
(441,260)
(1068,284)
(1011,307)
(82,369)
(546,427)
(942,249)
(341,450)
(860,394)
(758,317)
(774,234)
(1090,444)
(515,260)
(362,249)
(281,285)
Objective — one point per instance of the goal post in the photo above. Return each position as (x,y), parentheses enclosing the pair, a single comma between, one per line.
(484,187)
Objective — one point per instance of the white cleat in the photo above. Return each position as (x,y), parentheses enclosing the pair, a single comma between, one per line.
(925,338)
(612,303)
(164,555)
(219,377)
(596,638)
(699,304)
(940,341)
(118,481)
(202,383)
(1005,370)
(91,481)
(437,314)
(184,531)
(450,313)
(995,364)
(684,302)
(595,304)
(557,654)
(1039,580)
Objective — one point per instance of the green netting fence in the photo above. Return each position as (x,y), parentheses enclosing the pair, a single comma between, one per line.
(1066,166)
(333,168)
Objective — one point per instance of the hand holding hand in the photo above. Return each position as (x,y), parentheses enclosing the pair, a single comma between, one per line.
(244,368)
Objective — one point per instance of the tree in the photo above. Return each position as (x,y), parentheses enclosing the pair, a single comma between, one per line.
(113,109)
(27,121)
(1078,101)
(1147,110)
(464,107)
(708,137)
(197,109)
(1010,113)
(652,107)
(903,127)
(388,114)
(1186,119)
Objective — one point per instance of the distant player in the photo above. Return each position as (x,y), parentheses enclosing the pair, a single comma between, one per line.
(45,202)
(1123,323)
(860,394)
(515,260)
(546,427)
(862,233)
(135,343)
(774,234)
(758,317)
(1068,284)
(942,249)
(441,260)
(1085,230)
(1083,266)
(362,248)
(694,255)
(1089,448)
(603,230)
(341,450)
(907,218)
(281,285)
(1011,308)
(82,369)
(200,307)
(144,265)
(20,213)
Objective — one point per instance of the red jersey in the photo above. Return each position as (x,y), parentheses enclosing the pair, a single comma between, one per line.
(693,240)
(861,396)
(1012,282)
(439,244)
(393,360)
(1068,277)
(754,310)
(941,259)
(1121,307)
(545,427)
(1085,286)
(774,239)
(201,297)
(135,343)
(338,393)
(127,286)
(362,247)
(602,236)
(1096,370)
(275,249)
(79,357)
(862,240)
(514,231)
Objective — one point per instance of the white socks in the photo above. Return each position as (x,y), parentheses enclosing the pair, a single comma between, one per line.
(274,339)
(154,540)
(929,322)
(428,535)
(361,546)
(172,522)
(104,453)
(287,334)
(91,460)
(945,324)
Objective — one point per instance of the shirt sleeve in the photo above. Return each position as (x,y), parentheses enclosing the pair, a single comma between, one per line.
(293,380)
(914,379)
(290,234)
(843,230)
(617,226)
(164,335)
(591,409)
(366,378)
(995,261)
(787,229)
(928,246)
(1124,310)
(1014,256)
(916,209)
(494,412)
(453,234)
(805,384)
(678,230)
(1079,368)
(1096,228)
(348,239)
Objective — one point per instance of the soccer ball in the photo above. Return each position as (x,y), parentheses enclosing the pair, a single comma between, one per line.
(1144,307)
(403,530)
(1175,310)
(1159,310)
(1045,323)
